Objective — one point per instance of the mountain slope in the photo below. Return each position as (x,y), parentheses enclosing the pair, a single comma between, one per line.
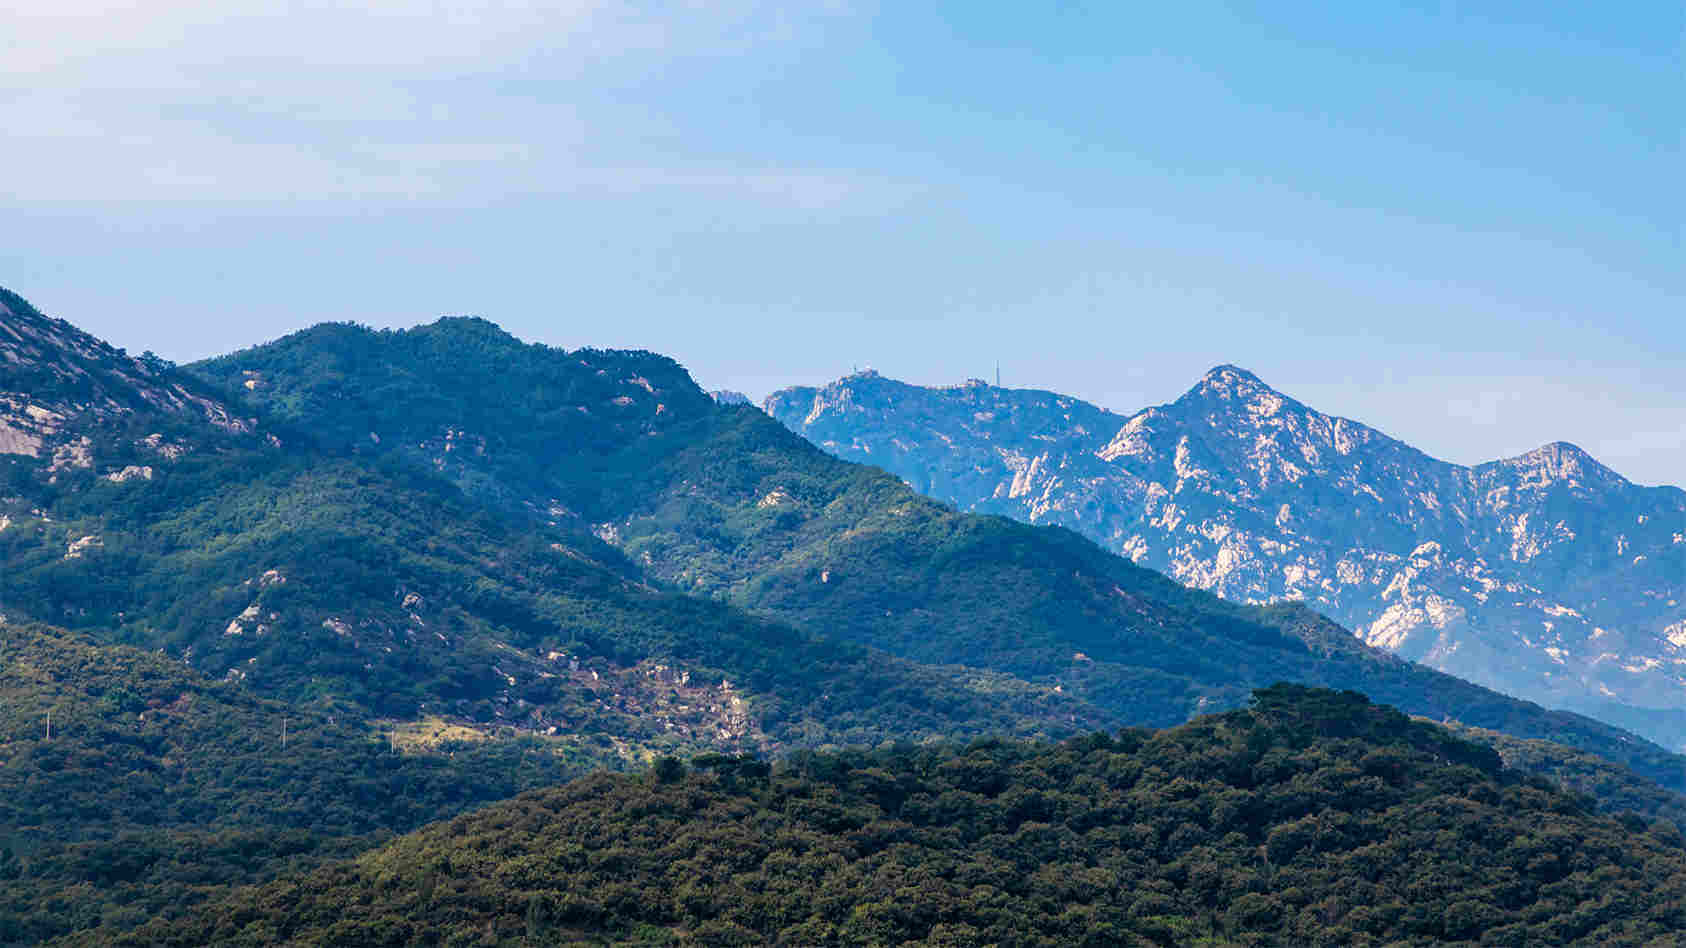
(1311,819)
(157,786)
(1546,575)
(724,501)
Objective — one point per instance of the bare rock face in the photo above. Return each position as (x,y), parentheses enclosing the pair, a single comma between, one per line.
(1546,575)
(64,397)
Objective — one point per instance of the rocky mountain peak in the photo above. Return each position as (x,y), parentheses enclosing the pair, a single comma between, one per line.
(1230,399)
(1231,374)
(1559,463)
(1232,383)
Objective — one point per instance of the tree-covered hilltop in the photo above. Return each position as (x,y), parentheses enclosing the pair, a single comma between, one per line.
(723,500)
(1311,818)
(506,421)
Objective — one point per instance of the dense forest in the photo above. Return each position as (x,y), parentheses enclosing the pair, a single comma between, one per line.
(1311,818)
(1616,788)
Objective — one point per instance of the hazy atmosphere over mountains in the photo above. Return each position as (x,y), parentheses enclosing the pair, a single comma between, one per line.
(1546,575)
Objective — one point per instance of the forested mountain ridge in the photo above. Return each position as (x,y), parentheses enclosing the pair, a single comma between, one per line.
(1545,575)
(462,397)
(1312,818)
(722,500)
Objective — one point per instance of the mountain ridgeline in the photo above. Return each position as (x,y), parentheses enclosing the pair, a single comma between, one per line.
(1546,575)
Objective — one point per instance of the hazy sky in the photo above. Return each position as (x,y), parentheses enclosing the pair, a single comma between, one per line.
(1461,224)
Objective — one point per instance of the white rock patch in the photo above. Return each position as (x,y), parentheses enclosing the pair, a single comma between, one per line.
(129,473)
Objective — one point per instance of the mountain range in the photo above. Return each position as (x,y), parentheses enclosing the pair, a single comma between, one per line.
(505,564)
(446,520)
(1546,575)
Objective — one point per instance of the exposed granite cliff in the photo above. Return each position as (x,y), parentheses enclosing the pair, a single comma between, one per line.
(73,401)
(1547,575)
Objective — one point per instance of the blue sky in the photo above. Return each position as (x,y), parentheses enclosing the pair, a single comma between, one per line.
(1461,224)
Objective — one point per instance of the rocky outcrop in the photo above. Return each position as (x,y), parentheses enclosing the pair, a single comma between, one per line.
(64,397)
(1546,575)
